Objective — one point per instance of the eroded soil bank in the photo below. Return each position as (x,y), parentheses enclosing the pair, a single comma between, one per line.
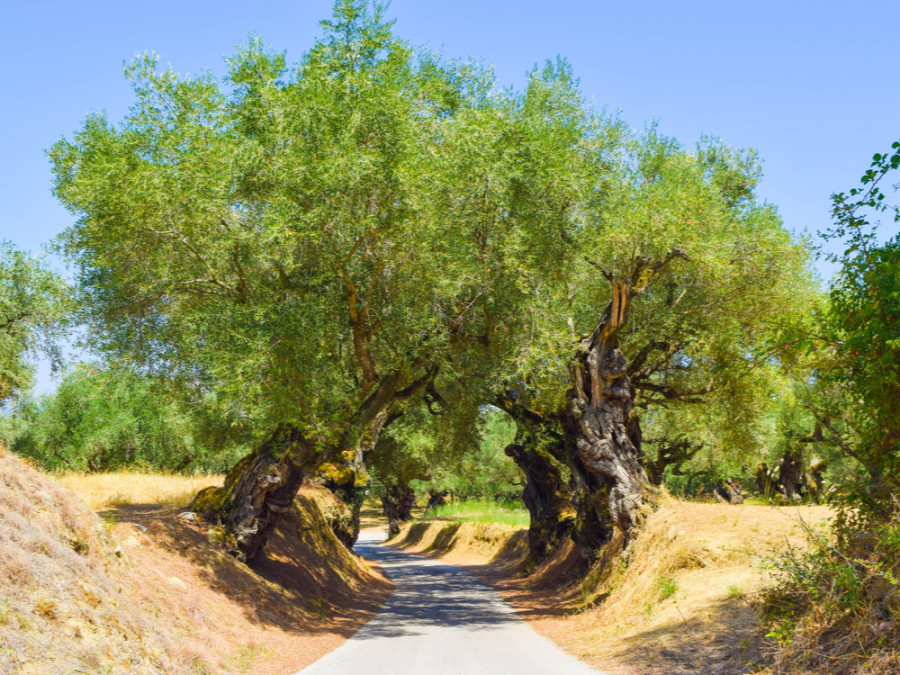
(143,588)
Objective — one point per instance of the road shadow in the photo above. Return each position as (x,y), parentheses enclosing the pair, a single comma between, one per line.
(429,595)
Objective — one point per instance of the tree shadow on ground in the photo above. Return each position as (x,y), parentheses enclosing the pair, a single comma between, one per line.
(304,582)
(725,641)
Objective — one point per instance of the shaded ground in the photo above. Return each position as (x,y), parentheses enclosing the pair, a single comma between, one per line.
(147,590)
(302,598)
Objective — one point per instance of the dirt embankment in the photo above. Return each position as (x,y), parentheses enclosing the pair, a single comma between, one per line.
(682,599)
(143,589)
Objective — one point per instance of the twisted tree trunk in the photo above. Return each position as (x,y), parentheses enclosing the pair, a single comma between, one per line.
(602,428)
(539,451)
(346,478)
(547,497)
(397,502)
(263,485)
(258,490)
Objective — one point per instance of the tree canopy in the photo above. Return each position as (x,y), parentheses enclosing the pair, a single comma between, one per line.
(324,245)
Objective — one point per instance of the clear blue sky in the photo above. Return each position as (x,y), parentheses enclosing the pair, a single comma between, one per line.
(813,86)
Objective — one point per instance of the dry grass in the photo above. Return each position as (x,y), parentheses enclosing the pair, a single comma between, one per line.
(167,599)
(684,597)
(465,542)
(122,488)
(63,605)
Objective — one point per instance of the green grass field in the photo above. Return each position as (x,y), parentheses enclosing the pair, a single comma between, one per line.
(480,511)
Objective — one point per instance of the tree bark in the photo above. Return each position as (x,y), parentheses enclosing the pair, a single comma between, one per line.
(397,502)
(437,498)
(602,427)
(539,451)
(674,453)
(547,497)
(729,491)
(258,490)
(790,475)
(346,478)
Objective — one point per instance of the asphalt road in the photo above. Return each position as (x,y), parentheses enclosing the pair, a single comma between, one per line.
(441,620)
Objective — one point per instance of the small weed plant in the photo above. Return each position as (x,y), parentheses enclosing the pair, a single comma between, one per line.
(667,587)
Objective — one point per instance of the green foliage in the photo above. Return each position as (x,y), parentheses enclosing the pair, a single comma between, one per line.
(34,304)
(667,587)
(464,456)
(482,511)
(856,397)
(102,419)
(478,467)
(841,585)
(835,605)
(295,234)
(298,236)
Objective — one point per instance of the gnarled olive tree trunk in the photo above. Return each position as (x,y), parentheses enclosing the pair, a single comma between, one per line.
(346,478)
(547,496)
(539,451)
(263,485)
(397,502)
(258,490)
(603,430)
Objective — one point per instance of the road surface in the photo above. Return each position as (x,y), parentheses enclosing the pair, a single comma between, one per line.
(441,620)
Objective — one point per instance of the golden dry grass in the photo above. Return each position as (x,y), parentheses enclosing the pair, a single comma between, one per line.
(66,605)
(683,598)
(465,542)
(148,592)
(123,488)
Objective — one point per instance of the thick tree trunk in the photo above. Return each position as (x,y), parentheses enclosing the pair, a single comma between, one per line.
(347,479)
(263,485)
(765,481)
(602,427)
(790,475)
(547,497)
(437,498)
(539,451)
(258,490)
(670,453)
(397,502)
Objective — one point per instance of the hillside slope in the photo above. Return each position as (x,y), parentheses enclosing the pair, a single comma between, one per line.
(146,590)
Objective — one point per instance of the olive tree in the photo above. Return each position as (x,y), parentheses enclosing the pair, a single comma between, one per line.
(695,276)
(315,243)
(34,306)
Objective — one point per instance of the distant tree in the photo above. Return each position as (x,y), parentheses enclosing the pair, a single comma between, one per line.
(103,419)
(34,304)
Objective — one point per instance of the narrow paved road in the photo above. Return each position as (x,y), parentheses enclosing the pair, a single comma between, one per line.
(441,620)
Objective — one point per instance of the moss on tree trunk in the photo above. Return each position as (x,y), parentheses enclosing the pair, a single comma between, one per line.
(258,490)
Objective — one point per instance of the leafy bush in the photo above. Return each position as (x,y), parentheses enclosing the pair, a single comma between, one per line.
(102,419)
